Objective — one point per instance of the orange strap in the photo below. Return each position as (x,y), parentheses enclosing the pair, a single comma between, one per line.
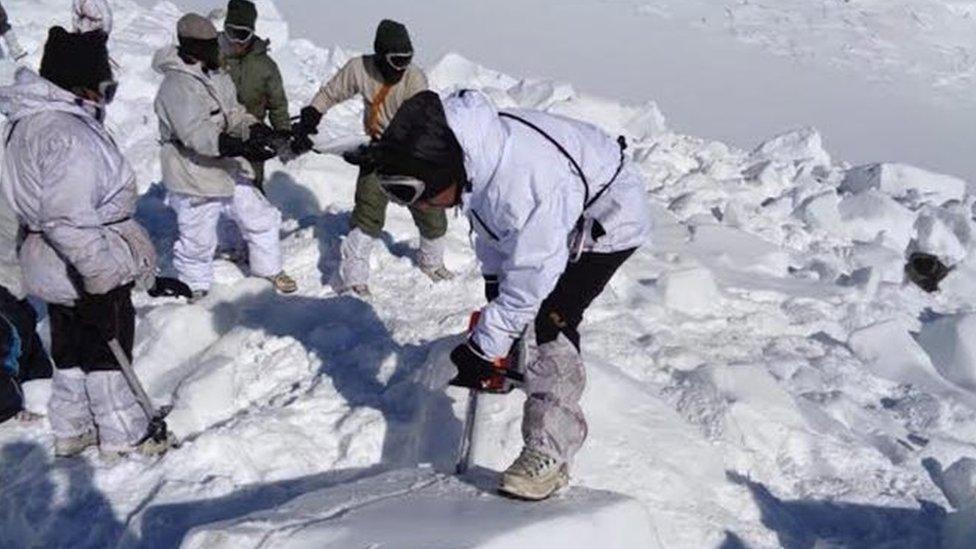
(373,122)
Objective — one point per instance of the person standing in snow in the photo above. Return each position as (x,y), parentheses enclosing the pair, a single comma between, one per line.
(14,49)
(75,194)
(208,139)
(256,76)
(384,80)
(555,209)
(91,15)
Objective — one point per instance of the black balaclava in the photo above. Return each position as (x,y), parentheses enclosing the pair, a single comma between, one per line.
(420,144)
(207,52)
(391,37)
(76,61)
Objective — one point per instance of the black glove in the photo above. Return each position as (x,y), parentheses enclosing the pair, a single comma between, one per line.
(100,311)
(493,287)
(230,146)
(170,287)
(260,132)
(259,150)
(308,121)
(472,367)
(301,144)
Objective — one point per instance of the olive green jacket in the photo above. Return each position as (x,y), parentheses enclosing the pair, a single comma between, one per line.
(259,85)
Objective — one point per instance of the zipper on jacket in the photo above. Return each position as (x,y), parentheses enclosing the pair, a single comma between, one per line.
(484,225)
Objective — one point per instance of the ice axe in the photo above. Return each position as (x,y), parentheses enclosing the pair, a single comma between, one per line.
(157,431)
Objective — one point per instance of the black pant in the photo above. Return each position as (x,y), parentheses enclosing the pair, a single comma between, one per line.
(34,362)
(579,285)
(77,344)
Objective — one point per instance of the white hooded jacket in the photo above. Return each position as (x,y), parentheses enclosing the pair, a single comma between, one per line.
(526,198)
(73,192)
(194,108)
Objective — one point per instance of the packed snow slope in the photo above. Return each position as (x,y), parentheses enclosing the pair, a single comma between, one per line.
(760,374)
(885,79)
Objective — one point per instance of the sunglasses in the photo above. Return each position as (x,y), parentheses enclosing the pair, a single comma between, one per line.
(238,35)
(107,89)
(401,189)
(399,61)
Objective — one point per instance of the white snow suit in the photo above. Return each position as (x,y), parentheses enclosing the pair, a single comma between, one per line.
(91,15)
(525,201)
(75,193)
(194,107)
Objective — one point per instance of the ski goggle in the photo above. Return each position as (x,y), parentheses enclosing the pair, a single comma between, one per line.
(107,90)
(402,189)
(237,34)
(399,61)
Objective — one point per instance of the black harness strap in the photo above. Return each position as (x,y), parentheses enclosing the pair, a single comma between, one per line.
(587,200)
(576,166)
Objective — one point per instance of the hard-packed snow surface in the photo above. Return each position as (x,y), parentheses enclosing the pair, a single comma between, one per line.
(760,374)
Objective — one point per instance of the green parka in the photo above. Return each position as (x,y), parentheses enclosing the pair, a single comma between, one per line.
(259,85)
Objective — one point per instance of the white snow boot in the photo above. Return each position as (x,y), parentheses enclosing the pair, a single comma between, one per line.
(14,49)
(430,258)
(354,255)
(534,476)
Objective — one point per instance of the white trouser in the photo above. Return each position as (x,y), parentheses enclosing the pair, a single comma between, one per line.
(354,254)
(553,422)
(431,253)
(102,399)
(68,409)
(197,217)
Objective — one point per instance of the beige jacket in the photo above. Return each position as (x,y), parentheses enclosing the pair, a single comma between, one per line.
(194,109)
(361,77)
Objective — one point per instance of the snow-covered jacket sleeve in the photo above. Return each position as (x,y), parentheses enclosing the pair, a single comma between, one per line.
(533,257)
(91,15)
(187,112)
(67,211)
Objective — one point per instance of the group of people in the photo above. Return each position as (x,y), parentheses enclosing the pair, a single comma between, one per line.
(555,209)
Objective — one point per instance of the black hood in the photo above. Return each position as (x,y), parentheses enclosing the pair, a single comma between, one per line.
(420,144)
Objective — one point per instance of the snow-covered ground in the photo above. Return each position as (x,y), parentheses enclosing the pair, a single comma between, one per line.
(759,375)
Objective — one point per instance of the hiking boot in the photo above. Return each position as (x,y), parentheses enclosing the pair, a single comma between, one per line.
(284,283)
(72,446)
(197,295)
(439,273)
(147,448)
(534,476)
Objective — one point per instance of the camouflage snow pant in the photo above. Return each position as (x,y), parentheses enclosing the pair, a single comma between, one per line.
(553,422)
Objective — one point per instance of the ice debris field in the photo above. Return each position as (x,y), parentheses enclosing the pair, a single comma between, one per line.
(760,374)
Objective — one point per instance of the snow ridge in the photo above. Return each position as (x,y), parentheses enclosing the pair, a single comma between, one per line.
(759,374)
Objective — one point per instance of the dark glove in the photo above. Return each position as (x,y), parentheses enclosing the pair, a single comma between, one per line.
(366,157)
(230,146)
(308,121)
(260,132)
(259,150)
(493,287)
(301,144)
(100,311)
(170,287)
(473,368)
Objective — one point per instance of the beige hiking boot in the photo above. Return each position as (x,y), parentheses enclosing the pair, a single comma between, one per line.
(72,446)
(534,476)
(284,283)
